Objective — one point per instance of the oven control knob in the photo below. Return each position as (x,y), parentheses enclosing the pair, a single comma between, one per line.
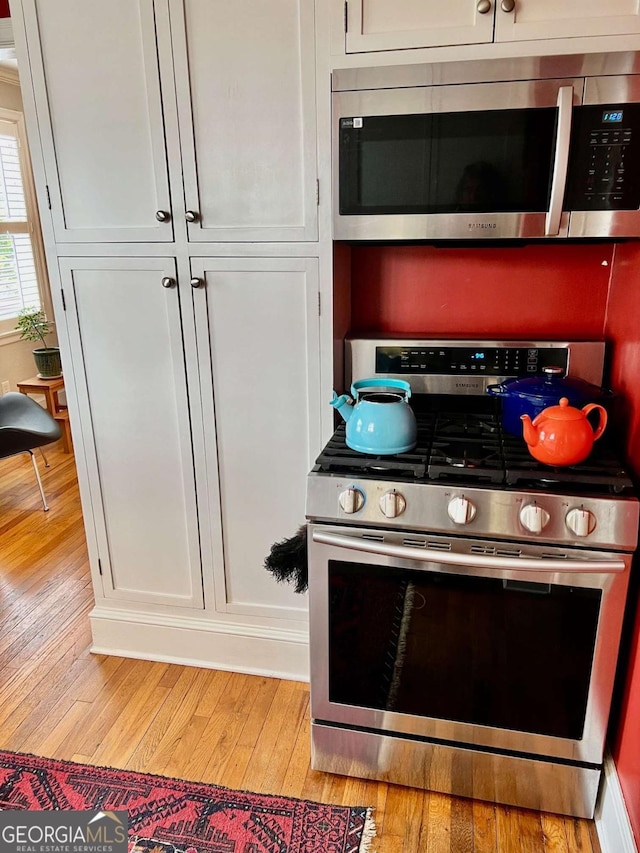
(461,510)
(534,518)
(351,500)
(392,504)
(580,521)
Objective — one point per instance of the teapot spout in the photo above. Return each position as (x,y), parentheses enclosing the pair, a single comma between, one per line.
(529,432)
(344,404)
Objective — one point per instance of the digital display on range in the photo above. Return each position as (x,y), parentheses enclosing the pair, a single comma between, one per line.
(612,116)
(460,360)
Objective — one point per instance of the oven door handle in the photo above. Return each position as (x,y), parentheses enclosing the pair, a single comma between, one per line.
(560,162)
(483,561)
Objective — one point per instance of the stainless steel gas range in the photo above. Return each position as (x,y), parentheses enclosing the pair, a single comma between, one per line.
(464,629)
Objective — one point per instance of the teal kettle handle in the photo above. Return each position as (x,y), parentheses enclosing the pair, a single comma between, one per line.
(399,384)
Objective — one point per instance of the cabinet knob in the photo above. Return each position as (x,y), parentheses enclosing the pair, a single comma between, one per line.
(196,283)
(484,6)
(191,216)
(168,282)
(508,5)
(163,216)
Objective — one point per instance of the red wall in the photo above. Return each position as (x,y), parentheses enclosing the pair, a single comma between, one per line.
(4,9)
(526,291)
(623,330)
(580,290)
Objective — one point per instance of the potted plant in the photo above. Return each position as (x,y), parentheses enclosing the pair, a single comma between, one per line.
(34,326)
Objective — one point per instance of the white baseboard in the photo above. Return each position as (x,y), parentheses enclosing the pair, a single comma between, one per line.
(612,821)
(265,651)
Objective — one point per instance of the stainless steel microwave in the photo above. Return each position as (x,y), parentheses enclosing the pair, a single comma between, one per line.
(528,148)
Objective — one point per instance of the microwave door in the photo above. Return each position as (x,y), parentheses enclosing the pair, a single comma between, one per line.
(452,162)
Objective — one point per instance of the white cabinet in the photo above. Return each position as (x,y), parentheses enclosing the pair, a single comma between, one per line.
(380,25)
(548,19)
(124,327)
(258,336)
(245,92)
(374,25)
(136,96)
(196,406)
(95,77)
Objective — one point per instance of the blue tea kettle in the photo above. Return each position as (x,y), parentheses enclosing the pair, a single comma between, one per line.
(379,419)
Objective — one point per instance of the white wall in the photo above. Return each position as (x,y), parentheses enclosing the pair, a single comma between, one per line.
(16,363)
(16,360)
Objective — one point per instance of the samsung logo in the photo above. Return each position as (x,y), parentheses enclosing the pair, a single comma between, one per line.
(467,385)
(475,226)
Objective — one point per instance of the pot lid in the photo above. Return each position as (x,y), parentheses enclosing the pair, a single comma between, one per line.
(553,384)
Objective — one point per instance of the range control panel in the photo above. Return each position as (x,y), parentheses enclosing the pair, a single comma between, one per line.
(603,174)
(468,360)
(467,366)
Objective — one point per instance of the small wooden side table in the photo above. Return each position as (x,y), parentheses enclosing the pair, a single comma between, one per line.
(49,388)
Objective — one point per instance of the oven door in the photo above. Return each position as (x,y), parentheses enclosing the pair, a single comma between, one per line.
(441,162)
(511,647)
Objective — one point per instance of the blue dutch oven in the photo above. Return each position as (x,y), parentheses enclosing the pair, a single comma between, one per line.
(379,419)
(533,394)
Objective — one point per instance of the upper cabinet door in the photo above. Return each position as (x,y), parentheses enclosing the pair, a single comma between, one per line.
(245,84)
(380,25)
(95,75)
(548,19)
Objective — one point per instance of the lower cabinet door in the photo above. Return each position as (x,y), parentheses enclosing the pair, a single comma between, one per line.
(257,324)
(125,334)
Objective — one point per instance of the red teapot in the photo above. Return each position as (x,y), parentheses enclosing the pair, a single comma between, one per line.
(562,435)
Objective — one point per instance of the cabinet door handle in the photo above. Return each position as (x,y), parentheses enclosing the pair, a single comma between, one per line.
(163,216)
(483,6)
(196,283)
(508,5)
(168,282)
(191,216)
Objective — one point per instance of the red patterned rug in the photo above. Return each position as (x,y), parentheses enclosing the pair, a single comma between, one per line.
(171,816)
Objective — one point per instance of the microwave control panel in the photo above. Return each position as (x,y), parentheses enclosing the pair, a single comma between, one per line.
(469,360)
(603,170)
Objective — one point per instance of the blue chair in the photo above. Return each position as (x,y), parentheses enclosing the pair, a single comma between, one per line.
(25,425)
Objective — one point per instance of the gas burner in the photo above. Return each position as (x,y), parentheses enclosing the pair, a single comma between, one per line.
(465,455)
(466,445)
(466,425)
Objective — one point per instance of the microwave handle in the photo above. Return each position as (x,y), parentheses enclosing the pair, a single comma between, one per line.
(481,561)
(560,162)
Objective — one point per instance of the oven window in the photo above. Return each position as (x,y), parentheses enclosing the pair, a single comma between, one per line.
(489,161)
(475,650)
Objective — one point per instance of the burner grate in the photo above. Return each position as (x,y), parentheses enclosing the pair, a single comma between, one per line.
(466,447)
(337,458)
(601,471)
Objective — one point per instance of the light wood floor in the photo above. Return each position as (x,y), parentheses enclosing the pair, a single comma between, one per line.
(59,700)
